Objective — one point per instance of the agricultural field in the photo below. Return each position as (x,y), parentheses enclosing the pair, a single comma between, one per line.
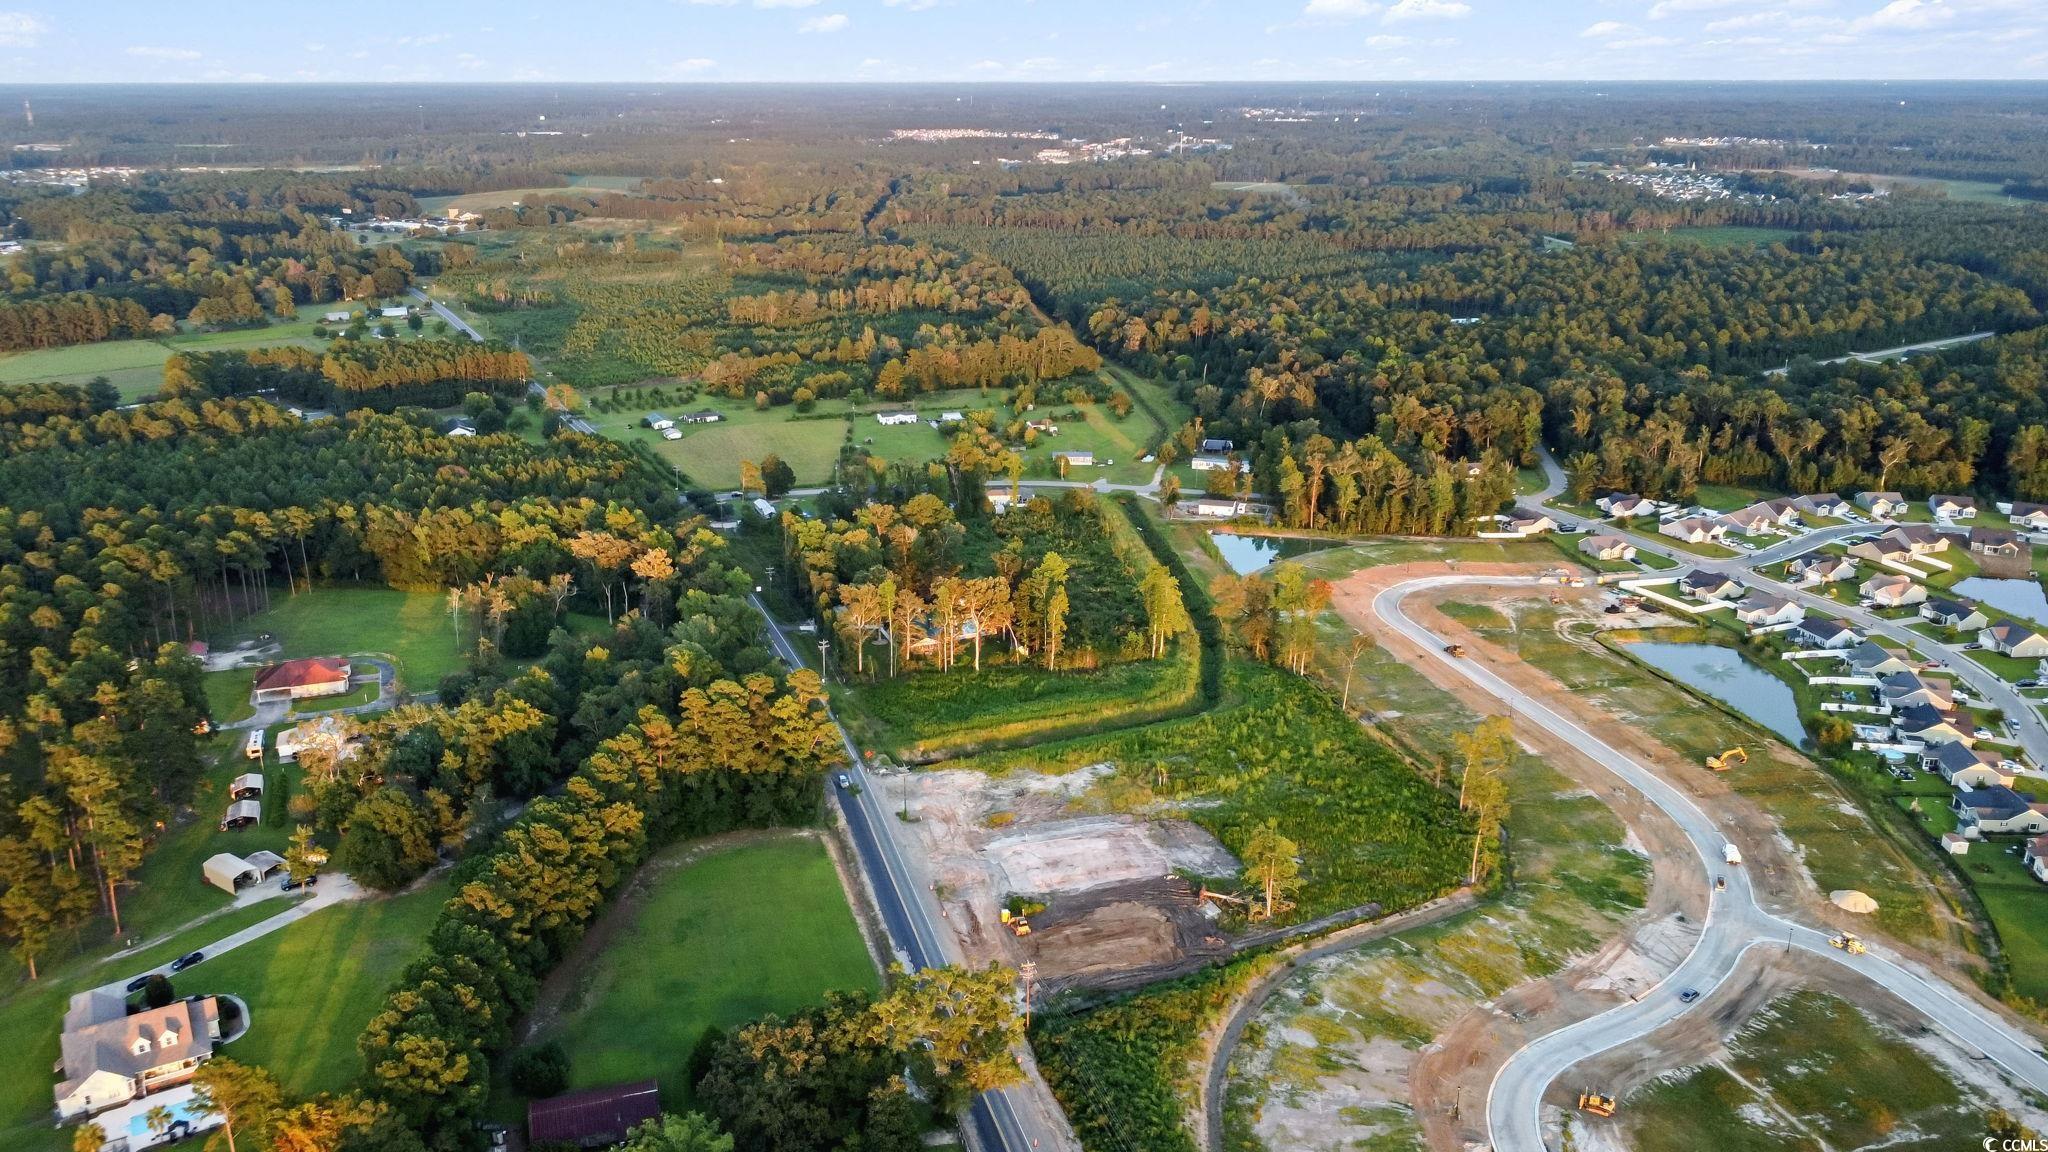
(1810,1072)
(671,959)
(1369,828)
(410,627)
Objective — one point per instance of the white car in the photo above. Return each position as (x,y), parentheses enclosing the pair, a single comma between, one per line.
(671,434)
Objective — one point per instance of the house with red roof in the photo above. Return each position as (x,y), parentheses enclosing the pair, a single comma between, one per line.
(302,679)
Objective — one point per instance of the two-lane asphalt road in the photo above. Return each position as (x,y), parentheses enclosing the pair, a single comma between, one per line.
(1021,1118)
(1735,923)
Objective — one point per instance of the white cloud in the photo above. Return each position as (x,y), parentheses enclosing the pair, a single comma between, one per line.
(20,30)
(693,64)
(1907,16)
(835,22)
(1388,41)
(1607,28)
(911,5)
(755,3)
(1340,9)
(1428,10)
(421,41)
(1634,43)
(469,61)
(1665,8)
(152,52)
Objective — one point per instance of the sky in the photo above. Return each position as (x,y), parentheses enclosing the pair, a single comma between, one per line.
(93,41)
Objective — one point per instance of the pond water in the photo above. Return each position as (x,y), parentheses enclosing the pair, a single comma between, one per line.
(1246,554)
(2017,597)
(1725,675)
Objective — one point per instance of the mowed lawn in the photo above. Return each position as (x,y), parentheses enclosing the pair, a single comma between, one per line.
(413,627)
(312,987)
(758,928)
(136,367)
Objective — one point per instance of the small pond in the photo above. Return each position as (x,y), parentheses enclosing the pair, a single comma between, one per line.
(2014,597)
(1246,554)
(1725,675)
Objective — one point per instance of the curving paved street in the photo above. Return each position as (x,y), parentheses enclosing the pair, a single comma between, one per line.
(1735,923)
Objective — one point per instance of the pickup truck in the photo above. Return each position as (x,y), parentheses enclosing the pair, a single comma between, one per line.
(1731,853)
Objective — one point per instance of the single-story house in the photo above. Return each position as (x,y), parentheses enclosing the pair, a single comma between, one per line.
(701,416)
(1997,542)
(338,317)
(1883,550)
(1703,585)
(999,500)
(1758,610)
(1892,590)
(1821,632)
(1872,659)
(1822,504)
(229,872)
(1953,614)
(247,786)
(1905,689)
(111,1057)
(2036,858)
(2033,517)
(595,1117)
(1884,504)
(242,814)
(1046,426)
(951,417)
(657,421)
(1694,529)
(1220,507)
(1928,725)
(1523,522)
(2013,639)
(1080,458)
(1952,507)
(1996,809)
(461,427)
(1965,767)
(894,418)
(1919,538)
(1822,569)
(1626,506)
(1607,548)
(395,312)
(300,679)
(1213,444)
(764,508)
(1750,521)
(1211,462)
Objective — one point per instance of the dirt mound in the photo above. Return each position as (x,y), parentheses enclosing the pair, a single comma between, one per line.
(1122,936)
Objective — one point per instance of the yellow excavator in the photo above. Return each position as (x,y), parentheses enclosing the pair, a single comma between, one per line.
(1728,759)
(1596,1104)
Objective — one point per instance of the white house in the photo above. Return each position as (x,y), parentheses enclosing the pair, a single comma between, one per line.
(111,1057)
(1694,529)
(1624,506)
(766,509)
(1607,548)
(1220,507)
(2036,858)
(1758,610)
(1822,504)
(701,416)
(1892,590)
(1751,521)
(2011,639)
(1965,767)
(894,418)
(657,421)
(1952,507)
(1079,458)
(397,312)
(1703,585)
(2032,517)
(1996,809)
(1822,569)
(1884,505)
(1953,614)
(1211,462)
(338,317)
(1821,632)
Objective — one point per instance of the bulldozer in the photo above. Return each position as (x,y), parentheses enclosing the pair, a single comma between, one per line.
(1847,942)
(1728,759)
(1596,1104)
(1018,925)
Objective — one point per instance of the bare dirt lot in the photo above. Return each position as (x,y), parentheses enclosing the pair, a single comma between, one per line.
(1115,909)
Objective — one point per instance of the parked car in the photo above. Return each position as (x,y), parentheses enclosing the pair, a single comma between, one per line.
(843,780)
(186,961)
(2028,683)
(1973,647)
(139,983)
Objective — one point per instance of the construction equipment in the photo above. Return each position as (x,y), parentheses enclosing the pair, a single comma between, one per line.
(1018,925)
(1847,942)
(1454,649)
(1728,759)
(1596,1104)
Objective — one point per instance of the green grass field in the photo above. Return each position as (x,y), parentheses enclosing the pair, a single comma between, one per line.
(1809,1072)
(313,986)
(747,930)
(410,626)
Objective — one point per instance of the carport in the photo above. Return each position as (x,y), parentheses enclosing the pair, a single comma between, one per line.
(228,872)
